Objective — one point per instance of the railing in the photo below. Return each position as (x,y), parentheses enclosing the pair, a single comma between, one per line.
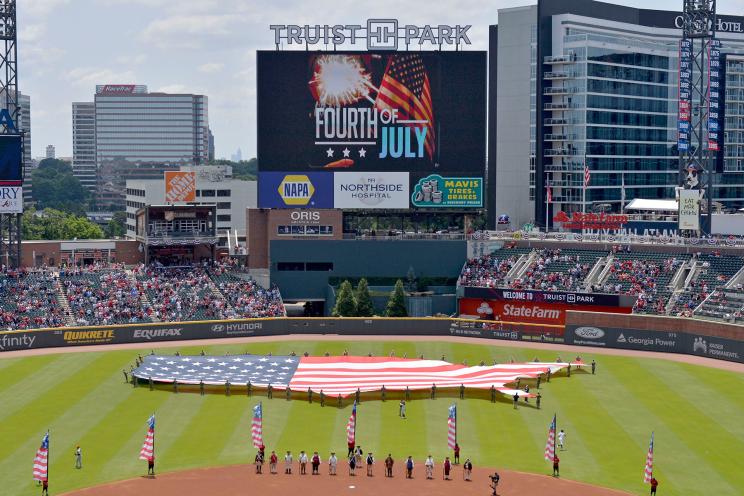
(557,59)
(560,152)
(556,75)
(559,90)
(406,236)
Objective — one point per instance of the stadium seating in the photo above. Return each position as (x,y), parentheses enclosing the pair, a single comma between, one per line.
(558,269)
(30,299)
(489,271)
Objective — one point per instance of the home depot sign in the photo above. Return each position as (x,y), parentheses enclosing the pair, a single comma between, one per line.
(579,220)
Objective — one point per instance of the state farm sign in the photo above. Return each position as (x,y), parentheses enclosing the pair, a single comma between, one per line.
(530,312)
(579,220)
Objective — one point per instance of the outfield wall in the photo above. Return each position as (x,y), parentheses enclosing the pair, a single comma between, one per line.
(636,332)
(655,333)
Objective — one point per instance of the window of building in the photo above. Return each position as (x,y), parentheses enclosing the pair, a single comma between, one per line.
(319,266)
(224,218)
(207,192)
(223,192)
(224,205)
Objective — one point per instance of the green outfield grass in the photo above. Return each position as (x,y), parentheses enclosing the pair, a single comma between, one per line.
(696,412)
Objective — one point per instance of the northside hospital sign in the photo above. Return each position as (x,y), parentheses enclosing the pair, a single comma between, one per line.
(380,34)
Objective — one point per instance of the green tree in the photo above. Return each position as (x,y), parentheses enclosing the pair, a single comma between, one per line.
(345,304)
(396,305)
(246,170)
(364,306)
(117,226)
(55,187)
(54,224)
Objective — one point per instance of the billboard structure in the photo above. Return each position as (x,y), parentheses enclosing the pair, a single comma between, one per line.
(377,121)
(180,186)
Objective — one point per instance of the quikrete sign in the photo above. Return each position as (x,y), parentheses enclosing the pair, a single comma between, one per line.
(579,220)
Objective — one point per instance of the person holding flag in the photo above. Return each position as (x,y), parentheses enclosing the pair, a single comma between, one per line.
(351,430)
(550,446)
(452,431)
(41,464)
(648,470)
(257,427)
(148,447)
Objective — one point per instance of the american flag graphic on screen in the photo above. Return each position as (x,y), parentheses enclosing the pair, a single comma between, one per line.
(41,460)
(148,447)
(648,471)
(257,426)
(452,427)
(341,375)
(405,87)
(550,445)
(351,426)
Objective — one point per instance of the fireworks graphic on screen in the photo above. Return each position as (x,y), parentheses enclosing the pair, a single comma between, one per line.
(340,80)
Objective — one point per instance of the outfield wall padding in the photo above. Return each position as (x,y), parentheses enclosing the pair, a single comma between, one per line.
(655,333)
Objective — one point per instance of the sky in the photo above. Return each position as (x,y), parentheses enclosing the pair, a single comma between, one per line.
(66,47)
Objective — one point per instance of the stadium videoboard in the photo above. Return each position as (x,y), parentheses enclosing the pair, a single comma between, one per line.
(11,161)
(400,130)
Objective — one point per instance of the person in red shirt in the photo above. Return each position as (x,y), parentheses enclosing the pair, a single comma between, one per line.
(457,453)
(556,470)
(151,465)
(447,467)
(351,449)
(272,462)
(654,485)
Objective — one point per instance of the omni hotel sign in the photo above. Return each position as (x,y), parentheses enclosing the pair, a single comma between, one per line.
(380,34)
(722,25)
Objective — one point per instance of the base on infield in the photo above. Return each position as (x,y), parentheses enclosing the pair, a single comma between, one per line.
(241,479)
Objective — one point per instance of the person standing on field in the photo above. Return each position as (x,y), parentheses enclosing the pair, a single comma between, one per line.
(389,465)
(562,439)
(556,466)
(316,463)
(78,457)
(467,469)
(457,453)
(594,366)
(332,463)
(429,466)
(272,462)
(288,463)
(447,467)
(370,464)
(409,468)
(303,463)
(654,485)
(402,409)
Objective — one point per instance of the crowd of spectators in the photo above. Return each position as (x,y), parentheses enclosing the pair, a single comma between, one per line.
(28,300)
(249,300)
(553,270)
(489,271)
(104,296)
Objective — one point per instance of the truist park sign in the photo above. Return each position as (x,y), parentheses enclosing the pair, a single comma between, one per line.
(380,34)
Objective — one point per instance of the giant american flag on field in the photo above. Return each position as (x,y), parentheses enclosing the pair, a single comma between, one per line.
(41,460)
(340,375)
(257,426)
(405,87)
(148,447)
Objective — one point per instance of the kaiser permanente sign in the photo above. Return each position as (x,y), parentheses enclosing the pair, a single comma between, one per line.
(380,34)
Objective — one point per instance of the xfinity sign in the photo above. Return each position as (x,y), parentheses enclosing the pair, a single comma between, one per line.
(380,34)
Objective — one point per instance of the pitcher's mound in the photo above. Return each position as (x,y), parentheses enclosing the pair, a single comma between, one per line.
(242,479)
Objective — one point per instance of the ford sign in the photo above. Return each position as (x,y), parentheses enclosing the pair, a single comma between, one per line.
(589,332)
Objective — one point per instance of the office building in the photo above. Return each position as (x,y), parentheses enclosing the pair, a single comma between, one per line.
(136,134)
(214,185)
(51,152)
(580,84)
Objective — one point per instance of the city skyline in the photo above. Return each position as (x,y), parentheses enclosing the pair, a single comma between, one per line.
(204,47)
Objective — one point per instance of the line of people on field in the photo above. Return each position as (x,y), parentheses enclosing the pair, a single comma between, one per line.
(356,460)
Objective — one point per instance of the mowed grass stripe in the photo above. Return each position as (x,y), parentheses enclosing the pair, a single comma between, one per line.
(696,386)
(39,382)
(595,442)
(641,404)
(722,447)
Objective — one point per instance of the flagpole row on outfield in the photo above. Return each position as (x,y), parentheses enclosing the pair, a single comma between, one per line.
(549,453)
(452,426)
(41,460)
(648,471)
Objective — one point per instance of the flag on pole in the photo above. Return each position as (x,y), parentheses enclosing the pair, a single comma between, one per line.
(648,471)
(148,447)
(550,445)
(452,427)
(41,460)
(351,426)
(550,193)
(587,176)
(257,426)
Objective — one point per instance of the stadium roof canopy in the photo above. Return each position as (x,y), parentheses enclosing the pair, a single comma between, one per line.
(652,205)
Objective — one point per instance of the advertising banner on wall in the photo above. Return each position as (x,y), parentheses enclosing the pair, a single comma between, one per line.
(295,190)
(689,209)
(370,190)
(11,200)
(435,191)
(591,299)
(11,163)
(420,112)
(685,86)
(527,311)
(180,186)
